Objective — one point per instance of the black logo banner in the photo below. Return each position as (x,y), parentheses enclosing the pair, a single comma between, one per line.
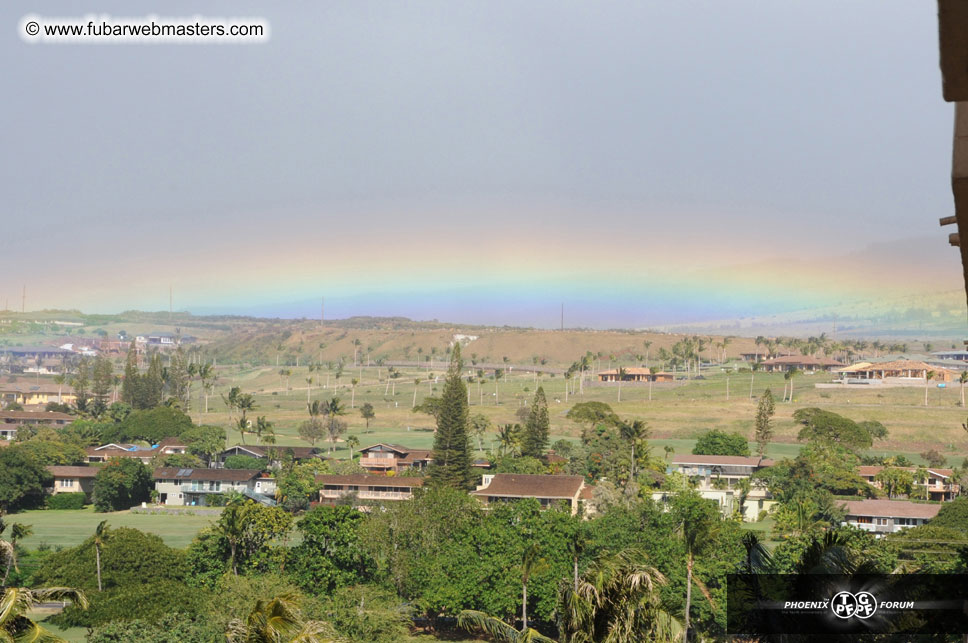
(760,605)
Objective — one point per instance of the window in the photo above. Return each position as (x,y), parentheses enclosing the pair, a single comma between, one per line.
(66,482)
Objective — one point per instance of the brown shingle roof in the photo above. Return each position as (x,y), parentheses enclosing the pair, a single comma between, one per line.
(891,509)
(513,485)
(34,415)
(230,475)
(735,460)
(299,453)
(365,480)
(61,471)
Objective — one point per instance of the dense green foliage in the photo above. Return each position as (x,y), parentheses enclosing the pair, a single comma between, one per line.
(534,437)
(245,462)
(330,555)
(22,480)
(121,484)
(151,425)
(67,501)
(176,627)
(717,442)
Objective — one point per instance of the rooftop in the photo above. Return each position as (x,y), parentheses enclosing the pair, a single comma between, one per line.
(513,485)
(60,471)
(735,460)
(225,475)
(891,509)
(366,480)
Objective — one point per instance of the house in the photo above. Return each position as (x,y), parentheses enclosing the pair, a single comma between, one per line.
(192,486)
(731,500)
(727,468)
(279,453)
(940,482)
(547,489)
(69,479)
(366,487)
(27,394)
(960,356)
(157,338)
(800,363)
(172,446)
(635,374)
(384,458)
(888,516)
(11,420)
(897,371)
(105,452)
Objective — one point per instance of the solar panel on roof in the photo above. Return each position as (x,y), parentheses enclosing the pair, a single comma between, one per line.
(185,472)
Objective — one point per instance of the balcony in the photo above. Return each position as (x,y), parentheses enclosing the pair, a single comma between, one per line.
(334,494)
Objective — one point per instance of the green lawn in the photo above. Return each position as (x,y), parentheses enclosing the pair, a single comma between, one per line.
(67,528)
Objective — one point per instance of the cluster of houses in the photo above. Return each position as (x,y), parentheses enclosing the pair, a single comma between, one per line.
(719,477)
(387,479)
(53,360)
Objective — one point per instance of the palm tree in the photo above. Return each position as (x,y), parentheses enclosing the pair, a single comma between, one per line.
(616,600)
(696,523)
(231,526)
(264,431)
(621,376)
(498,629)
(353,383)
(416,385)
(531,563)
(17,531)
(278,620)
(928,376)
(789,375)
(921,477)
(648,346)
(16,603)
(633,432)
(206,373)
(332,410)
(100,535)
(961,380)
(59,380)
(352,442)
(507,438)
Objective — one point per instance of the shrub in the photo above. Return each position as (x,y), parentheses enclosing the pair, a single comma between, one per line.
(718,442)
(122,484)
(67,501)
(244,462)
(150,602)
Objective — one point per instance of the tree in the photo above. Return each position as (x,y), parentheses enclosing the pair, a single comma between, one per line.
(179,379)
(717,442)
(352,443)
(826,427)
(17,531)
(509,439)
(330,556)
(121,484)
(895,481)
(205,441)
(928,376)
(22,480)
(451,464)
(498,629)
(100,533)
(479,424)
(311,430)
(530,563)
(633,432)
(246,527)
(618,598)
(101,379)
(278,620)
(264,430)
(172,628)
(368,413)
(696,520)
(789,375)
(534,437)
(592,413)
(962,379)
(333,410)
(763,424)
(17,602)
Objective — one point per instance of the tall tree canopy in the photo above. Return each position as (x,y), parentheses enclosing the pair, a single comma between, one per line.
(451,465)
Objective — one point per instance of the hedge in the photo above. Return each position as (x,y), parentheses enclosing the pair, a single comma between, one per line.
(67,501)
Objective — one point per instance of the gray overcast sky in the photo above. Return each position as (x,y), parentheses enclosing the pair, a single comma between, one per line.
(721,129)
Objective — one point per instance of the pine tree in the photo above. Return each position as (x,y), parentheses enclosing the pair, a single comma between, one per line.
(153,388)
(451,465)
(764,419)
(102,376)
(132,379)
(534,440)
(178,378)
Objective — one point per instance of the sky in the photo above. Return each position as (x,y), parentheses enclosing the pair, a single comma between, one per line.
(641,163)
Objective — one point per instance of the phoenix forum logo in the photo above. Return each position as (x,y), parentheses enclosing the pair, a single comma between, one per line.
(847,605)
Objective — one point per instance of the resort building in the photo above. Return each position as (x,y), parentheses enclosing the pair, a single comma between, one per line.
(634,374)
(888,516)
(384,458)
(902,371)
(939,483)
(547,489)
(711,468)
(68,479)
(799,362)
(365,489)
(192,486)
(11,420)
